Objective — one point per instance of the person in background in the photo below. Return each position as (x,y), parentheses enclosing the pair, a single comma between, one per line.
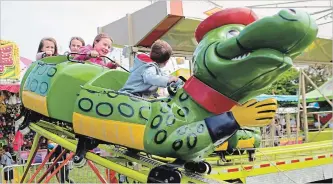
(101,47)
(74,45)
(64,171)
(7,161)
(47,47)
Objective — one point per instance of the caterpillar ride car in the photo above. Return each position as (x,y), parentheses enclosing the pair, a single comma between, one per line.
(237,58)
(246,139)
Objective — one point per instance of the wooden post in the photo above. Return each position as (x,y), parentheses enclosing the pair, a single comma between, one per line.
(130,39)
(264,137)
(272,129)
(191,66)
(318,115)
(305,115)
(316,87)
(298,105)
(287,118)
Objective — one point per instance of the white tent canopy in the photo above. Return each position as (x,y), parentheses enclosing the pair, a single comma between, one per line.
(172,22)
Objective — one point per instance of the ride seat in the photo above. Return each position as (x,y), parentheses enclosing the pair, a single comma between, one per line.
(114,80)
(110,79)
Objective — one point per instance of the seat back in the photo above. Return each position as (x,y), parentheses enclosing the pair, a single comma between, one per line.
(111,79)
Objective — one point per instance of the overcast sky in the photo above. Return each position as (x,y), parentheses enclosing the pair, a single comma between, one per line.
(26,22)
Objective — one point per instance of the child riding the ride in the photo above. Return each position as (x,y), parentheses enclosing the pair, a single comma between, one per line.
(47,47)
(75,44)
(146,75)
(101,47)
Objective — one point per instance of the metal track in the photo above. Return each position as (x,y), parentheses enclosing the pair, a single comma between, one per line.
(151,163)
(61,129)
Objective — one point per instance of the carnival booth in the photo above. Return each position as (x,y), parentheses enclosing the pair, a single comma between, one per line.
(318,103)
(12,68)
(9,86)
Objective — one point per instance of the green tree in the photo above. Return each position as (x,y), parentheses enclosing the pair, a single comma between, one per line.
(286,84)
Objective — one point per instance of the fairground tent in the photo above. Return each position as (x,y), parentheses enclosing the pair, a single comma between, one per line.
(280,98)
(176,21)
(326,89)
(312,96)
(320,51)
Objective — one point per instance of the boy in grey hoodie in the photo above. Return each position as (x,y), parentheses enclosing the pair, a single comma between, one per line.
(146,75)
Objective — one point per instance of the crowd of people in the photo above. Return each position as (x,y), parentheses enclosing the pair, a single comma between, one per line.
(279,128)
(10,108)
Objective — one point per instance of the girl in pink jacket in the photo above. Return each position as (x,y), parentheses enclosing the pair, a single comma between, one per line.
(101,47)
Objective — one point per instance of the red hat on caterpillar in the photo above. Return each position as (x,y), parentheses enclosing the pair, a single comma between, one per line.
(244,16)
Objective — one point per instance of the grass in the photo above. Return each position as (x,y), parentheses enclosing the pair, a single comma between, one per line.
(78,175)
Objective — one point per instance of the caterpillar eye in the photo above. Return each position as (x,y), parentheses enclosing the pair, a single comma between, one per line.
(232,33)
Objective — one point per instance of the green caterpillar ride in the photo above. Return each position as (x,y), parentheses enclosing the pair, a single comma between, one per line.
(236,59)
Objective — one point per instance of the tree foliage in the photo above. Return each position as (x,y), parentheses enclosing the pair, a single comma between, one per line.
(285,84)
(288,82)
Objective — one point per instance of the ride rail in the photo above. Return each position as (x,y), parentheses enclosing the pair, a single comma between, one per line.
(268,160)
(70,144)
